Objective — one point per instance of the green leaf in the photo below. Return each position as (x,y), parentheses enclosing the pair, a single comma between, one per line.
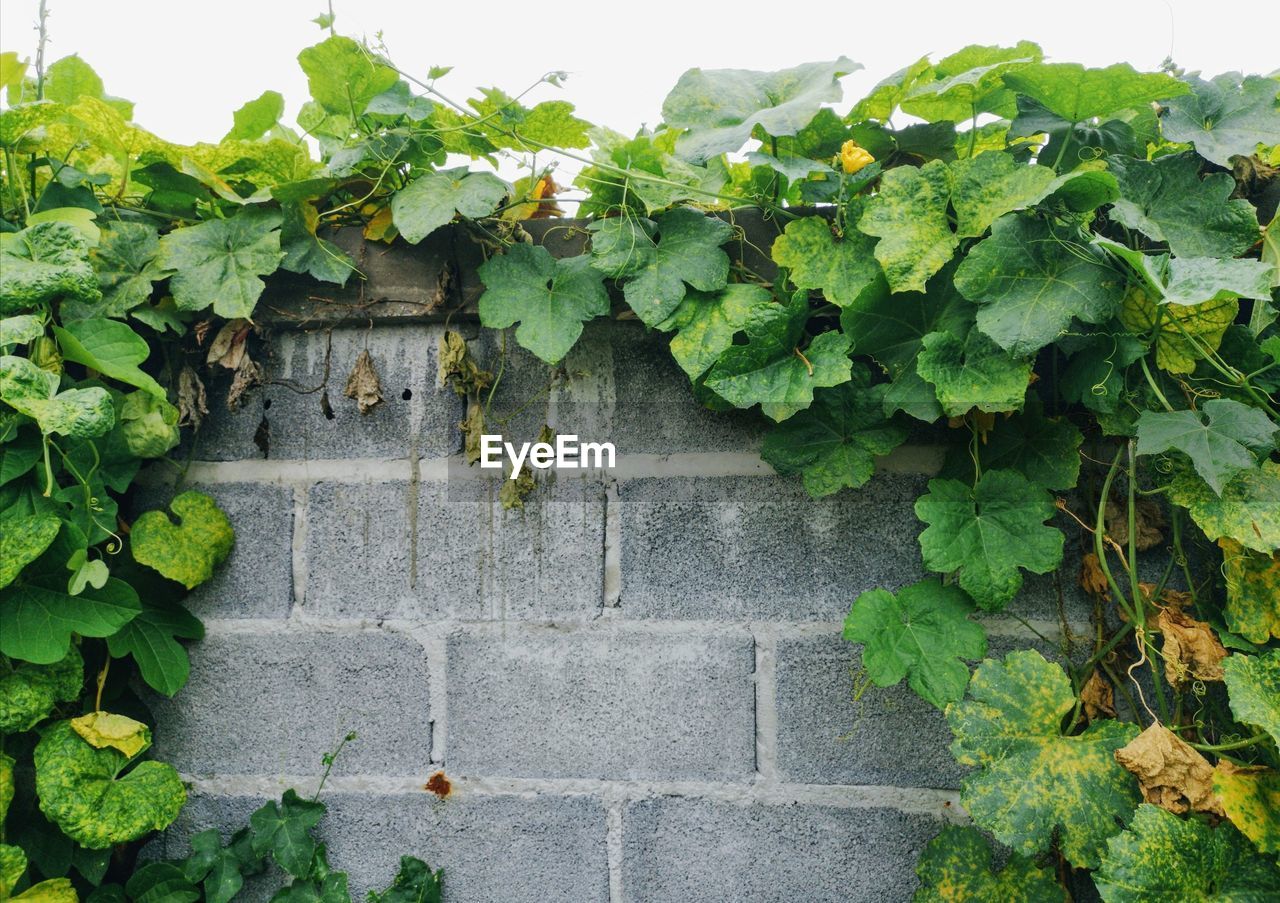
(283,830)
(1166,200)
(43,262)
(834,443)
(37,621)
(218,262)
(1247,510)
(81,413)
(1253,586)
(1229,440)
(909,215)
(720,108)
(111,348)
(431,200)
(1205,324)
(29,693)
(71,78)
(1031,281)
(1035,785)
(218,867)
(990,185)
(1163,857)
(973,372)
(687,251)
(20,330)
(1251,799)
(1253,686)
(770,370)
(1195,280)
(161,882)
(955,867)
(988,533)
(306,252)
(707,323)
(343,76)
(150,639)
(923,634)
(1075,93)
(969,82)
(1225,116)
(415,882)
(1045,450)
(550,298)
(19,455)
(148,425)
(83,792)
(844,269)
(257,117)
(127,261)
(23,539)
(186,552)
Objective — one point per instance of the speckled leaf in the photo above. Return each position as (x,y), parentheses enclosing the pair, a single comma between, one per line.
(707,323)
(1075,93)
(844,269)
(989,533)
(972,373)
(13,862)
(1221,439)
(1194,280)
(1163,857)
(1253,686)
(1035,785)
(28,693)
(1206,323)
(992,184)
(1251,799)
(834,443)
(80,413)
(1248,509)
(968,82)
(955,867)
(189,550)
(1225,116)
(923,634)
(83,791)
(22,540)
(909,216)
(37,620)
(1030,281)
(218,262)
(434,198)
(1166,200)
(43,262)
(549,298)
(104,730)
(1253,591)
(127,261)
(687,251)
(54,890)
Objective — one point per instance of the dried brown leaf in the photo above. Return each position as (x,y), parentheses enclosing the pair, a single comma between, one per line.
(1191,651)
(247,375)
(1172,775)
(1092,578)
(228,346)
(472,428)
(363,384)
(1148,517)
(193,403)
(457,366)
(1098,698)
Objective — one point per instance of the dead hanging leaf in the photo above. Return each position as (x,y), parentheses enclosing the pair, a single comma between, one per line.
(1190,651)
(247,375)
(363,384)
(545,192)
(228,347)
(513,492)
(1092,578)
(1148,518)
(1098,698)
(193,403)
(200,330)
(458,368)
(1172,775)
(472,428)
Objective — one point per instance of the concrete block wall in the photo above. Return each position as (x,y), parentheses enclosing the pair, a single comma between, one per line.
(636,685)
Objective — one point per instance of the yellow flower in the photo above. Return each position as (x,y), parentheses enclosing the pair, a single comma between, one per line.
(853,157)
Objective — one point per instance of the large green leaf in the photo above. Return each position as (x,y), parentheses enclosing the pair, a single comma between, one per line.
(923,634)
(1163,857)
(1195,280)
(969,82)
(1166,200)
(1031,281)
(219,868)
(973,372)
(29,692)
(719,108)
(992,184)
(1247,510)
(1075,93)
(343,76)
(151,639)
(283,830)
(19,454)
(127,261)
(432,199)
(687,250)
(257,117)
(43,262)
(218,262)
(82,790)
(1034,784)
(1222,438)
(23,539)
(1045,450)
(955,867)
(988,533)
(80,413)
(844,269)
(188,551)
(37,620)
(1225,116)
(707,323)
(771,370)
(111,348)
(1253,685)
(909,216)
(835,441)
(306,252)
(550,298)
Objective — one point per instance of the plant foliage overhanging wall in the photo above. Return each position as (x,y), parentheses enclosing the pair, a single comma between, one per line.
(1075,269)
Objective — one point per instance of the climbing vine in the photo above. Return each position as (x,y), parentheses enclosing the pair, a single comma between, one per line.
(1072,271)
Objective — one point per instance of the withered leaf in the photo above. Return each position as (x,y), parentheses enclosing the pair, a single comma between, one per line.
(247,375)
(1092,578)
(1191,651)
(1172,775)
(1148,518)
(193,403)
(363,384)
(1098,698)
(458,368)
(472,428)
(228,346)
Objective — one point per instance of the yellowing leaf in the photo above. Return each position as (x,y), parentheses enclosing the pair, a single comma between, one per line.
(1253,591)
(1251,799)
(189,551)
(102,729)
(55,890)
(955,867)
(1205,324)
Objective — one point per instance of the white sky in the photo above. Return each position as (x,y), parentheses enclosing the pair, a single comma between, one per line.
(188,64)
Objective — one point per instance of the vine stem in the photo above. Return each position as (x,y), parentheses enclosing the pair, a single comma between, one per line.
(1235,744)
(1151,381)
